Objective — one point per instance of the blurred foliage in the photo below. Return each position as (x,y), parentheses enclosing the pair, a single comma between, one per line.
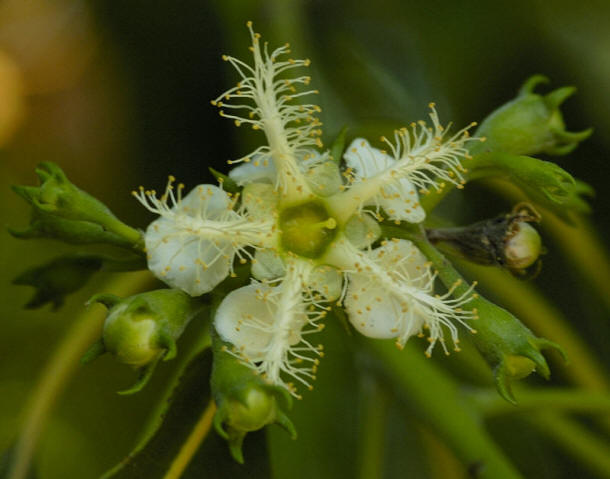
(118,95)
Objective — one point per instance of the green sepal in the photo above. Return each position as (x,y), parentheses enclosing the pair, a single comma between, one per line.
(107,299)
(545,183)
(530,124)
(167,342)
(337,147)
(144,375)
(95,351)
(63,211)
(228,184)
(245,401)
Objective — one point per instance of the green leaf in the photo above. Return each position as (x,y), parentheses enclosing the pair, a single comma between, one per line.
(184,444)
(67,274)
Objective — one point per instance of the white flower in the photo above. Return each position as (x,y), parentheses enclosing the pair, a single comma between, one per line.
(307,232)
(194,242)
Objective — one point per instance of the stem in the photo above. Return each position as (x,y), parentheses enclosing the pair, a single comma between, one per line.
(371,446)
(190,447)
(490,404)
(576,441)
(130,234)
(441,460)
(436,400)
(61,366)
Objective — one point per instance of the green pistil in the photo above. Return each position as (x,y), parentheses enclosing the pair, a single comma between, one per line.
(307,229)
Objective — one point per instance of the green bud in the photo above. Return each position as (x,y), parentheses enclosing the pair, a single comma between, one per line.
(530,124)
(142,329)
(63,211)
(508,240)
(245,401)
(510,348)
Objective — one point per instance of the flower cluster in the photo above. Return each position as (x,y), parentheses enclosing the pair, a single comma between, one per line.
(310,227)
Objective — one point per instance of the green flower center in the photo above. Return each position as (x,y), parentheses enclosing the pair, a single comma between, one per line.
(307,229)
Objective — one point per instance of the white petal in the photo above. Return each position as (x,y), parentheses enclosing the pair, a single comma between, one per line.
(400,199)
(207,200)
(324,179)
(403,258)
(362,230)
(374,312)
(256,170)
(184,260)
(401,202)
(267,265)
(365,160)
(180,257)
(247,319)
(326,280)
(260,199)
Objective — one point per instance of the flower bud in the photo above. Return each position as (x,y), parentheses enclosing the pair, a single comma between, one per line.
(509,347)
(63,211)
(530,124)
(523,248)
(142,329)
(246,402)
(508,240)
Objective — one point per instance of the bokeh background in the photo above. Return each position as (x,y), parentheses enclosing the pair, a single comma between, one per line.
(118,94)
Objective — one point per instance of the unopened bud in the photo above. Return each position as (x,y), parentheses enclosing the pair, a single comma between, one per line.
(530,124)
(523,248)
(142,329)
(246,402)
(63,211)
